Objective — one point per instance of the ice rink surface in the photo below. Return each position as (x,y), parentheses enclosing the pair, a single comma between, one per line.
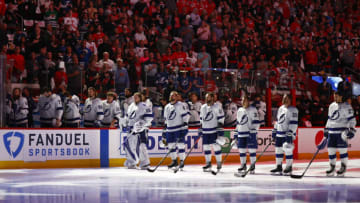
(107,185)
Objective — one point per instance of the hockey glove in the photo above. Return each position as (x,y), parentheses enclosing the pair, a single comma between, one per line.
(326,133)
(290,137)
(234,143)
(200,133)
(322,143)
(97,124)
(351,133)
(273,134)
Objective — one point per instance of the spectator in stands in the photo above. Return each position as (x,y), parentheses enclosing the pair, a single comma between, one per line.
(325,89)
(121,77)
(60,78)
(204,58)
(73,72)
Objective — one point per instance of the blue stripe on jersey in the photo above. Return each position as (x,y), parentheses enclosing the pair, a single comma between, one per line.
(351,118)
(174,127)
(59,108)
(220,117)
(184,114)
(209,129)
(194,122)
(281,132)
(293,122)
(73,119)
(243,133)
(336,129)
(46,119)
(149,115)
(256,122)
(100,113)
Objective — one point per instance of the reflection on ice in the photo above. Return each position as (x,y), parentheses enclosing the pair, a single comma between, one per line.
(191,185)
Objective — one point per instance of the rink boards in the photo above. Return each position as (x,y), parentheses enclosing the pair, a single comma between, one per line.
(62,148)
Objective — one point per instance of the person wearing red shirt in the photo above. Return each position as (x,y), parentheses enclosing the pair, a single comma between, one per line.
(179,55)
(60,77)
(311,59)
(2,7)
(19,63)
(98,36)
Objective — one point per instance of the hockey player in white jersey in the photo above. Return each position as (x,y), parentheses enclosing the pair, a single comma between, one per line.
(138,118)
(247,127)
(340,127)
(18,110)
(71,116)
(284,133)
(50,108)
(176,122)
(93,110)
(194,109)
(112,111)
(211,118)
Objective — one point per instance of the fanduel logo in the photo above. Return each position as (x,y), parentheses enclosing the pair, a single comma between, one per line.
(14,142)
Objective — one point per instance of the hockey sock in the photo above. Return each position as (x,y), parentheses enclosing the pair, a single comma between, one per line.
(217,149)
(332,155)
(173,150)
(242,156)
(279,153)
(343,155)
(207,152)
(181,147)
(252,155)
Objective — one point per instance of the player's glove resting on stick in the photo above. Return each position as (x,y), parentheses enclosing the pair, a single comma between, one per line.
(273,134)
(348,134)
(234,141)
(290,137)
(323,142)
(163,142)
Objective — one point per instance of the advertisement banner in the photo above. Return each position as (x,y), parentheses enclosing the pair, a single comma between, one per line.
(310,137)
(117,139)
(41,145)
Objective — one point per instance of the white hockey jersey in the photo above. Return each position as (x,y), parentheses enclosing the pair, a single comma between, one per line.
(139,113)
(230,114)
(50,108)
(187,116)
(93,111)
(111,111)
(194,110)
(71,110)
(210,116)
(176,115)
(247,121)
(287,120)
(19,111)
(341,117)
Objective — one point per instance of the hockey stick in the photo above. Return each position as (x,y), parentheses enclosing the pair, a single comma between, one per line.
(302,175)
(227,154)
(162,160)
(253,164)
(197,140)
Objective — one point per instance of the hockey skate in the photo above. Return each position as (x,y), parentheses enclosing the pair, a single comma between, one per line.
(173,164)
(277,170)
(181,166)
(219,166)
(207,167)
(287,171)
(252,169)
(242,169)
(145,167)
(331,171)
(341,172)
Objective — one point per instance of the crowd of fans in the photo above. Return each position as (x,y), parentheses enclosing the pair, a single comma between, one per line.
(190,46)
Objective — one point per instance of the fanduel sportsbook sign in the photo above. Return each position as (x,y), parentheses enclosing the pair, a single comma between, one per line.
(42,145)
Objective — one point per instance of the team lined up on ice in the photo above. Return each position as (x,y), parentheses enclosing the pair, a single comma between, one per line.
(339,128)
(138,116)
